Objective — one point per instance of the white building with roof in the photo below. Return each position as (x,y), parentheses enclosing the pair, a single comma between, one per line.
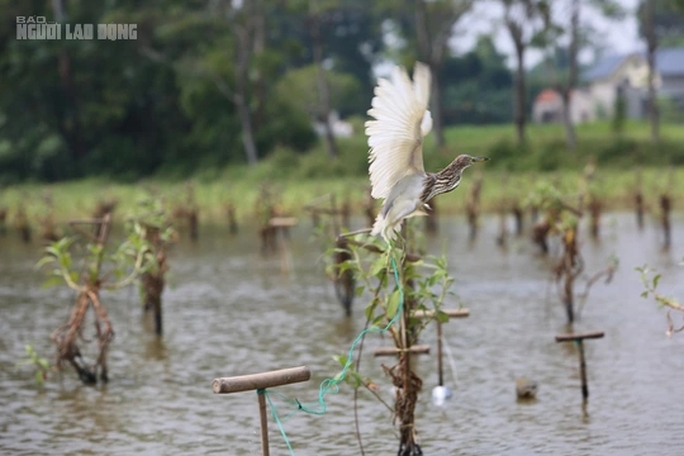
(670,66)
(628,75)
(548,107)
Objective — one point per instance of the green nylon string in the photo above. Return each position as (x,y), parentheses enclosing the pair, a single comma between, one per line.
(330,385)
(274,412)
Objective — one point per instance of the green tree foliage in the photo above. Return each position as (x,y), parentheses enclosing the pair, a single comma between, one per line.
(173,99)
(295,87)
(668,21)
(425,28)
(478,86)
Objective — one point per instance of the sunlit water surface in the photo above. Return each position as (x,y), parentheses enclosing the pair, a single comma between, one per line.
(230,311)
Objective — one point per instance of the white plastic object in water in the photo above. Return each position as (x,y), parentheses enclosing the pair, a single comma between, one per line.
(440,394)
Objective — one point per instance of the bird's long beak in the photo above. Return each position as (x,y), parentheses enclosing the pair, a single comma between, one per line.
(480,159)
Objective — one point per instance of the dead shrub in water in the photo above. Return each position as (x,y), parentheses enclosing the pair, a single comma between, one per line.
(266,208)
(473,206)
(21,222)
(3,221)
(129,257)
(186,214)
(639,200)
(665,208)
(518,213)
(49,230)
(159,235)
(595,208)
(343,279)
(561,219)
(232,220)
(329,220)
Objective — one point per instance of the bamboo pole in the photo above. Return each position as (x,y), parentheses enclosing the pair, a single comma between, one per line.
(579,336)
(264,423)
(393,351)
(440,370)
(451,313)
(578,339)
(263,380)
(260,382)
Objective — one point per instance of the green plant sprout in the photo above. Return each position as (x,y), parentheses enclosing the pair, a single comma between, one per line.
(101,269)
(650,279)
(41,365)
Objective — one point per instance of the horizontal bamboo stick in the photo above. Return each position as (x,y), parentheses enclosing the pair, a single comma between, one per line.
(282,222)
(579,336)
(263,380)
(452,313)
(393,351)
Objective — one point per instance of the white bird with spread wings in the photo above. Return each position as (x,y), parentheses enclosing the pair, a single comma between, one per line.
(395,137)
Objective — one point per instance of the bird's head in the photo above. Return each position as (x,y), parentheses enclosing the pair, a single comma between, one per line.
(463,161)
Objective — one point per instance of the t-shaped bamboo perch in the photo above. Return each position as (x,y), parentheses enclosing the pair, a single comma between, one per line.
(578,338)
(260,382)
(451,313)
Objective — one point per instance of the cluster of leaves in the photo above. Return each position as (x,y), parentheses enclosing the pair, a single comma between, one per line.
(650,278)
(393,281)
(124,264)
(151,212)
(548,199)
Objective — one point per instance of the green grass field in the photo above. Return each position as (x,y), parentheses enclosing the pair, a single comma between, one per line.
(297,179)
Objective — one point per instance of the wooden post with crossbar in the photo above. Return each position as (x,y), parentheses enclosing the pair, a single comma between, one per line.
(451,313)
(260,382)
(425,349)
(578,338)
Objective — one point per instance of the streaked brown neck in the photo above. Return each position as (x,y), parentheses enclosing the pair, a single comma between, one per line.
(442,182)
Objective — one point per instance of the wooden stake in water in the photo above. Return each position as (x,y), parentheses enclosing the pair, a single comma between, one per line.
(281,226)
(578,338)
(260,382)
(451,313)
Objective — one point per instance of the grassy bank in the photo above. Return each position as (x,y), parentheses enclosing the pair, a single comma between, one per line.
(79,198)
(297,179)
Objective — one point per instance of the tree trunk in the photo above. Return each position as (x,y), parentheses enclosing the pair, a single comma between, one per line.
(570,138)
(652,46)
(437,123)
(259,47)
(520,93)
(572,77)
(70,123)
(244,51)
(247,131)
(322,83)
(427,54)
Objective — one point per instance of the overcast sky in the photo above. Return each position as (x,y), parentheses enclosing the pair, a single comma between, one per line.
(618,37)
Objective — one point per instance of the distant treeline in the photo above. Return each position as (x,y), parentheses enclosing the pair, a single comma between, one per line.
(206,84)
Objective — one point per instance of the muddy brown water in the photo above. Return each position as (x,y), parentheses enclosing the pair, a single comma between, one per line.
(229,311)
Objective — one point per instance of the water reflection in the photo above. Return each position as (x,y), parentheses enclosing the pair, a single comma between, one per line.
(155,348)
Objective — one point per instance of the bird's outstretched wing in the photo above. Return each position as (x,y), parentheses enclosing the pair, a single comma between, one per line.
(395,137)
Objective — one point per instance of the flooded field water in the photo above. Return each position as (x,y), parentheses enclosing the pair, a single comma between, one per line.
(229,311)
